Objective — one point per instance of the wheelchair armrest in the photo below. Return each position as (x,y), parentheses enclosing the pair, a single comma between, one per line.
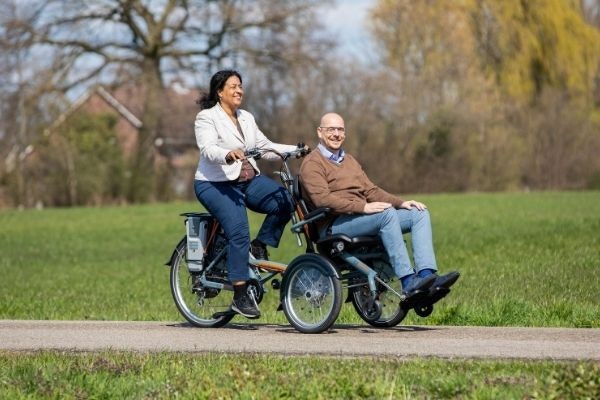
(317,214)
(311,217)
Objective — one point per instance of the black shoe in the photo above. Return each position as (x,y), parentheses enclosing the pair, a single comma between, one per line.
(441,287)
(245,306)
(445,281)
(416,291)
(259,250)
(416,283)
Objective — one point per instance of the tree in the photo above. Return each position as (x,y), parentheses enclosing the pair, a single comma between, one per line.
(86,160)
(538,44)
(434,91)
(591,11)
(25,106)
(546,57)
(461,74)
(148,41)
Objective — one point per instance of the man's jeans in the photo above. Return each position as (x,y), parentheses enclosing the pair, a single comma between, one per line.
(390,225)
(227,201)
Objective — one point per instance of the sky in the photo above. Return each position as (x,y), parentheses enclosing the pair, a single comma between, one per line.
(346,20)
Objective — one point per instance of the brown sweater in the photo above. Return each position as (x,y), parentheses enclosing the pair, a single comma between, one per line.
(344,187)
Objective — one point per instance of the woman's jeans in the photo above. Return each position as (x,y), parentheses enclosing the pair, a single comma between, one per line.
(227,201)
(390,225)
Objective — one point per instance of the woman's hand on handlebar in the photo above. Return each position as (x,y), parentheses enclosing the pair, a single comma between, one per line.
(234,155)
(256,153)
(301,150)
(304,149)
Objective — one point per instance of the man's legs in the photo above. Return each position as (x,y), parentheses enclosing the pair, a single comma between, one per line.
(418,223)
(385,224)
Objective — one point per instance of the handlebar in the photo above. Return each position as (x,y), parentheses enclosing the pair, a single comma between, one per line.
(257,153)
(285,174)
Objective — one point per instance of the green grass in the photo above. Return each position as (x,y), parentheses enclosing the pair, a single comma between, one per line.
(527,259)
(213,376)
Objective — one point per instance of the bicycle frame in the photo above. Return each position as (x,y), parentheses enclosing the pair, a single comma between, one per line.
(273,268)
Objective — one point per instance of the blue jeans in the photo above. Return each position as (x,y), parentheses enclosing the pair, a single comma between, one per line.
(227,201)
(390,225)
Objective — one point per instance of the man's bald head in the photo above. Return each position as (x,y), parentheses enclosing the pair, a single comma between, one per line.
(332,119)
(332,131)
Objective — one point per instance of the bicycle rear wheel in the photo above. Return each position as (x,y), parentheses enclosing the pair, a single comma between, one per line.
(200,305)
(311,294)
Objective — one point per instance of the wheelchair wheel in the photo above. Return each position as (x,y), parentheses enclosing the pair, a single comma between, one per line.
(311,294)
(200,305)
(391,311)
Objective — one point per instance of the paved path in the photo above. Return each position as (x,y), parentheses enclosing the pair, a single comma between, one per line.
(343,340)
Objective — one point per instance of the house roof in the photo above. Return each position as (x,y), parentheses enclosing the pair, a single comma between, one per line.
(178,102)
(106,96)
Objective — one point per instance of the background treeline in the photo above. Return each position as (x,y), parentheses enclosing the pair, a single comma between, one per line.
(469,95)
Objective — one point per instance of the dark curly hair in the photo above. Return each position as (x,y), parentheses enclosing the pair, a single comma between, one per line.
(217,83)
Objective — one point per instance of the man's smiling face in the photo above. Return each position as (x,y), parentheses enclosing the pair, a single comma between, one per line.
(332,132)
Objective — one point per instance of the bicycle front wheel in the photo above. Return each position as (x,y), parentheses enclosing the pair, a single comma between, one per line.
(311,294)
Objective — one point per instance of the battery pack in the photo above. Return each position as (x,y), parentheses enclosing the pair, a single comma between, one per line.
(197,233)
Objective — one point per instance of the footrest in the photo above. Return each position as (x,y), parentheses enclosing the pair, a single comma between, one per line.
(416,297)
(436,294)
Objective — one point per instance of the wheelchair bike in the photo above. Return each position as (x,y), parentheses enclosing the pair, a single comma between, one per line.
(312,284)
(361,266)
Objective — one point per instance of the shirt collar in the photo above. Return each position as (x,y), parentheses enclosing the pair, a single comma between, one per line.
(224,115)
(336,157)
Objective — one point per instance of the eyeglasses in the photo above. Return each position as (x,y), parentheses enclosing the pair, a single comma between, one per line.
(332,129)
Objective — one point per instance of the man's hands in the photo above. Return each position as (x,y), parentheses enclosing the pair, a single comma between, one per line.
(408,204)
(375,207)
(379,206)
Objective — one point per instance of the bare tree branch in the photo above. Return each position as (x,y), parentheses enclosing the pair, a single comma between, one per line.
(151,40)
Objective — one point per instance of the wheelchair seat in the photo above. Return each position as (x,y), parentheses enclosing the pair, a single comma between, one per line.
(326,243)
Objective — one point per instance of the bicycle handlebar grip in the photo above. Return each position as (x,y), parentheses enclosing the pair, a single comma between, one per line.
(302,149)
(252,153)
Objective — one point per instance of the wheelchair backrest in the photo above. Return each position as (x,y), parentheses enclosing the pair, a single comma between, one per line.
(303,209)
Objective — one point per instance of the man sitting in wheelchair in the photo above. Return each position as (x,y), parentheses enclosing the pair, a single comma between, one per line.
(334,179)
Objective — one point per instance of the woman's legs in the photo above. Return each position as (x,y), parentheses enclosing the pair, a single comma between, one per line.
(265,196)
(225,201)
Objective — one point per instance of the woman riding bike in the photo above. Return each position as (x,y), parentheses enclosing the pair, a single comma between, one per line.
(226,181)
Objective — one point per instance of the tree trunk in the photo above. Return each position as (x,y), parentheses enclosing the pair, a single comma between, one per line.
(141,187)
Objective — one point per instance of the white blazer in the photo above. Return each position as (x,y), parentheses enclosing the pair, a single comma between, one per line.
(217,135)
